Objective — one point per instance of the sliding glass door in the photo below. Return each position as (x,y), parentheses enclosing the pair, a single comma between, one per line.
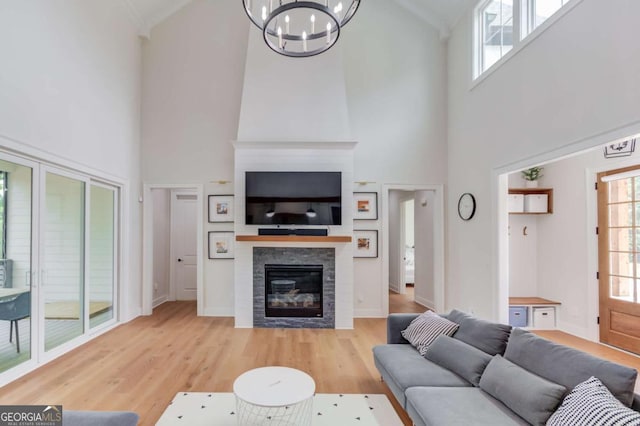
(63,258)
(16,222)
(102,253)
(59,248)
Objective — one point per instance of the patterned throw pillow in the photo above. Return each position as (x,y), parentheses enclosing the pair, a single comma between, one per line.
(424,329)
(591,404)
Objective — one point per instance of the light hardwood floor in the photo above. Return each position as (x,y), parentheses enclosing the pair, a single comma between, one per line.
(141,365)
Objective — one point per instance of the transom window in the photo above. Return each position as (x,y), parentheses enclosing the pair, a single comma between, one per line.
(496,31)
(501,26)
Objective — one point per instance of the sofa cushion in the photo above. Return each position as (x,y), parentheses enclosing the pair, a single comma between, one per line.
(568,366)
(489,337)
(435,406)
(99,418)
(424,329)
(531,397)
(402,367)
(591,403)
(464,360)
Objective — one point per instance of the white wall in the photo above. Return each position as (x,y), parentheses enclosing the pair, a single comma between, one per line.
(424,286)
(193,68)
(569,86)
(161,240)
(70,84)
(523,249)
(395,239)
(193,77)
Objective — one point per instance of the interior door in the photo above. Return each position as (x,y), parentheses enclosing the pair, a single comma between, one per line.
(619,257)
(184,244)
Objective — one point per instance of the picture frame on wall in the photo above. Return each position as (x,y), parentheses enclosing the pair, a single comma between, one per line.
(365,205)
(365,243)
(220,208)
(221,244)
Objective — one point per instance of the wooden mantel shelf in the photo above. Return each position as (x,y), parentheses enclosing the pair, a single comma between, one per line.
(295,238)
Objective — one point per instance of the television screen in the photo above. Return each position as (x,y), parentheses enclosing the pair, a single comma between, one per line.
(293,198)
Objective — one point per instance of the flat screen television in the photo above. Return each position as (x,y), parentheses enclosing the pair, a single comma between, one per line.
(293,198)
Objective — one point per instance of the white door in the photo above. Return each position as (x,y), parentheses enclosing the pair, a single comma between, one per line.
(184,214)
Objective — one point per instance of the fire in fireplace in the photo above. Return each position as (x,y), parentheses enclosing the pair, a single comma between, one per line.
(293,290)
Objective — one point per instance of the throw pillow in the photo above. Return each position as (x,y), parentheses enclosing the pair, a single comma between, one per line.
(591,403)
(465,360)
(529,396)
(424,329)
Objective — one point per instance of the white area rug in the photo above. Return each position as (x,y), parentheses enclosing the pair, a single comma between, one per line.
(218,409)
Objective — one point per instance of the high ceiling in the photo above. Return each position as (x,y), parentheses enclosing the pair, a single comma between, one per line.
(442,14)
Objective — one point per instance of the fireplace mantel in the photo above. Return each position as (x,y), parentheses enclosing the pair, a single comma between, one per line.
(296,238)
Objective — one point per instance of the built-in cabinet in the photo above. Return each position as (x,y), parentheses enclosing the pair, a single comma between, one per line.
(530,200)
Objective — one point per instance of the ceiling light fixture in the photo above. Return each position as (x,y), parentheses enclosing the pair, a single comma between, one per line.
(300,28)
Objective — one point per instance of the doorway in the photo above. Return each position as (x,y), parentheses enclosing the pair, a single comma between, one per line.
(619,256)
(412,229)
(172,265)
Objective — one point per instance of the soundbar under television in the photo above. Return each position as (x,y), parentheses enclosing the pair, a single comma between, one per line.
(293,198)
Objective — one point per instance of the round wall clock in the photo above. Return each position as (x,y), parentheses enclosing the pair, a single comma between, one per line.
(466,206)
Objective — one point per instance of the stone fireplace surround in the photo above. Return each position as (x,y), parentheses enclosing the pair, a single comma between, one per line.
(294,256)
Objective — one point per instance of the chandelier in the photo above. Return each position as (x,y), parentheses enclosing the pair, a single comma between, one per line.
(300,28)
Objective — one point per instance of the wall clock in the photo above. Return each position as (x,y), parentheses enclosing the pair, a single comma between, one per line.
(466,206)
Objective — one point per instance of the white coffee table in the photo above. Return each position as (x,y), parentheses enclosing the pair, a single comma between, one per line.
(274,396)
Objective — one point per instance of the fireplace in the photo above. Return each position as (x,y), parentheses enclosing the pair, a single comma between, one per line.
(294,287)
(293,291)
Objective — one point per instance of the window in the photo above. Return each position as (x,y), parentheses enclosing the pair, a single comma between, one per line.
(535,12)
(497,32)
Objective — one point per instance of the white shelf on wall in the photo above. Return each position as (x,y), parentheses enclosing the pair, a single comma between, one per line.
(518,195)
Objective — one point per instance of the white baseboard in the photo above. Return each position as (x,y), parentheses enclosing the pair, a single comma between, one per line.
(425,302)
(159,301)
(395,288)
(369,313)
(218,312)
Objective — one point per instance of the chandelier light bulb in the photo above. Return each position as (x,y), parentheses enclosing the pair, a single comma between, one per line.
(313,24)
(280,37)
(328,32)
(286,21)
(304,41)
(264,13)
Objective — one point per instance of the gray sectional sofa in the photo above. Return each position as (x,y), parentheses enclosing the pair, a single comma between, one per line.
(489,374)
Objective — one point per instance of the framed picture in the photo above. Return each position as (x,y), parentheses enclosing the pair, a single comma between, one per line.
(365,243)
(221,245)
(365,205)
(220,208)
(622,149)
